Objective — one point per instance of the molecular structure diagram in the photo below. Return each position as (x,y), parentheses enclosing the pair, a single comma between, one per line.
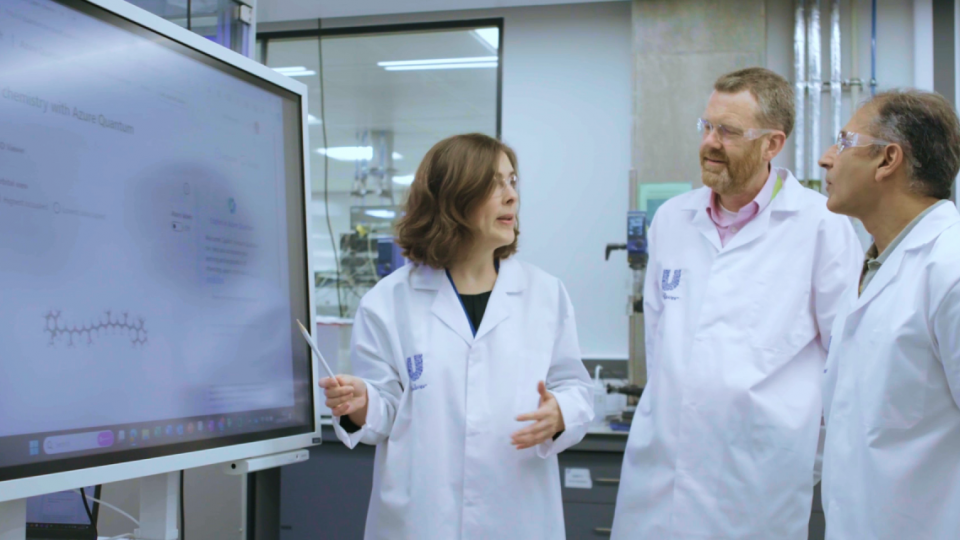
(135,330)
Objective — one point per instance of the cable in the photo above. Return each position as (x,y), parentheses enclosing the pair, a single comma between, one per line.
(189,15)
(108,505)
(86,506)
(326,166)
(183,520)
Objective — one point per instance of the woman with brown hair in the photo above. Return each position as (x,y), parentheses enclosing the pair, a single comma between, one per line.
(460,355)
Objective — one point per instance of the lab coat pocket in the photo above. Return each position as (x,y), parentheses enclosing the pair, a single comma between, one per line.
(893,390)
(784,325)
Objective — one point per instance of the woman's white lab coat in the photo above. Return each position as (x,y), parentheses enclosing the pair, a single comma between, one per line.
(443,403)
(725,436)
(891,462)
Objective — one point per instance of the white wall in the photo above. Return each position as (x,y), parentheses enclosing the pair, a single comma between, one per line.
(567,113)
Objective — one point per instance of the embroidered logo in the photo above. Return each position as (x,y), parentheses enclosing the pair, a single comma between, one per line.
(415,367)
(668,284)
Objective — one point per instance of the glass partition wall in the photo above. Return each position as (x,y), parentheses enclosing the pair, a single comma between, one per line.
(379,99)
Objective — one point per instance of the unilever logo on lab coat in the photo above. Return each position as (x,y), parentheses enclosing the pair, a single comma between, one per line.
(415,370)
(668,284)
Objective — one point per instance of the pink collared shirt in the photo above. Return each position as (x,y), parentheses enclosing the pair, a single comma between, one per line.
(729,223)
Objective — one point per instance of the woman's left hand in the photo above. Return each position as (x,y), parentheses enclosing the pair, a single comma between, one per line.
(548,421)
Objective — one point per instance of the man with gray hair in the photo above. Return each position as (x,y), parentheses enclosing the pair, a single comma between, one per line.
(743,282)
(891,461)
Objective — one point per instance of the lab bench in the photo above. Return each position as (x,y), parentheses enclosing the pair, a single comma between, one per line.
(327,496)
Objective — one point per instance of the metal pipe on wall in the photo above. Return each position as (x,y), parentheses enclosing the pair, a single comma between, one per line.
(799,71)
(815,82)
(854,55)
(873,48)
(836,83)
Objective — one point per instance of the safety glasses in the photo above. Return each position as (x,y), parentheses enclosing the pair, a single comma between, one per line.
(850,139)
(729,134)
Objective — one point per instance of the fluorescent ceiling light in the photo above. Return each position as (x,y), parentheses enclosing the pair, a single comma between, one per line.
(438,61)
(347,153)
(382,214)
(489,36)
(352,153)
(313,120)
(477,65)
(404,180)
(295,71)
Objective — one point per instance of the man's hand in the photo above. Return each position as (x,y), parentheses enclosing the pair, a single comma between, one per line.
(346,396)
(548,421)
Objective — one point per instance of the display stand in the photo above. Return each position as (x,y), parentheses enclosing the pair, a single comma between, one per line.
(159,505)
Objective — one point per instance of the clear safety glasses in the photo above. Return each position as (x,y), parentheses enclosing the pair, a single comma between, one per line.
(849,139)
(730,134)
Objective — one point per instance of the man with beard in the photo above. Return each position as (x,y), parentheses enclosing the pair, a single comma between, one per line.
(743,282)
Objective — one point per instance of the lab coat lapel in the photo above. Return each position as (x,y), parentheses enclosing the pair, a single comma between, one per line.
(926,231)
(751,231)
(505,297)
(446,304)
(785,201)
(701,221)
(886,273)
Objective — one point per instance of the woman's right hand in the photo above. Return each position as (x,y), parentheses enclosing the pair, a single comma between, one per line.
(349,398)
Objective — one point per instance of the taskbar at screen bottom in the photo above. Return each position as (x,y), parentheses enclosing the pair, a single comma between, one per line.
(46,453)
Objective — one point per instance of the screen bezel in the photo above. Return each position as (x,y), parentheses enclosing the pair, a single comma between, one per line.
(71,473)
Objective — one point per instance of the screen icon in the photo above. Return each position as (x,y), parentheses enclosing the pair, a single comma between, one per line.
(157,431)
(229,422)
(222,424)
(133,435)
(145,435)
(210,426)
(123,435)
(169,431)
(180,429)
(190,428)
(200,426)
(34,448)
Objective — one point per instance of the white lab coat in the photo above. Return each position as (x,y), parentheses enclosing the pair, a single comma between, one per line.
(724,439)
(891,463)
(443,403)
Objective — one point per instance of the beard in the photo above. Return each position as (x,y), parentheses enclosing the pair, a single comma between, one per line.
(735,177)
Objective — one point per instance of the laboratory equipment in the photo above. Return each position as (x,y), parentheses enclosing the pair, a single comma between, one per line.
(389,256)
(599,398)
(637,253)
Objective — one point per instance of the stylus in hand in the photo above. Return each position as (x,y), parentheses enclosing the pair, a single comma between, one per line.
(316,351)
